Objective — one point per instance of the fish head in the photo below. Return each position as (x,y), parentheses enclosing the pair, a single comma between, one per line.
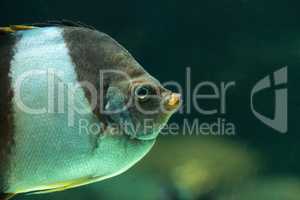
(141,106)
(131,99)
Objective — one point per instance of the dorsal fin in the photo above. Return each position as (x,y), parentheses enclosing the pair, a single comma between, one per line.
(15,28)
(64,22)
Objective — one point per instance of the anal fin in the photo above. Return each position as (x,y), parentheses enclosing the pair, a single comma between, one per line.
(66,185)
(6,196)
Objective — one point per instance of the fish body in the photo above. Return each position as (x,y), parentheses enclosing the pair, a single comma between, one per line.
(46,143)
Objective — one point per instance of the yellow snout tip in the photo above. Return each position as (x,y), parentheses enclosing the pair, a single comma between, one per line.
(173,101)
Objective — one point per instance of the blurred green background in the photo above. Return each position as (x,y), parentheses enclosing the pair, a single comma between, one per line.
(220,40)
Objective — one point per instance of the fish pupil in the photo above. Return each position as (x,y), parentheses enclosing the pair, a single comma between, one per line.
(144,91)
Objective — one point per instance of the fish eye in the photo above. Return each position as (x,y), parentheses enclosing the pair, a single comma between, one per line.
(142,92)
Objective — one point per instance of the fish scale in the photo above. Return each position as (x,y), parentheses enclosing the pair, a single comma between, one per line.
(49,152)
(76,161)
(45,133)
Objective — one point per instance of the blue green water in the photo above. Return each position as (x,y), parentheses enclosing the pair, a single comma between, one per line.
(220,41)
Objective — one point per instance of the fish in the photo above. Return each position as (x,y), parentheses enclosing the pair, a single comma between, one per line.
(73,108)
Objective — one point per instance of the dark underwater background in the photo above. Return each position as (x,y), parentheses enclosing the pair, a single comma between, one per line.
(220,40)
